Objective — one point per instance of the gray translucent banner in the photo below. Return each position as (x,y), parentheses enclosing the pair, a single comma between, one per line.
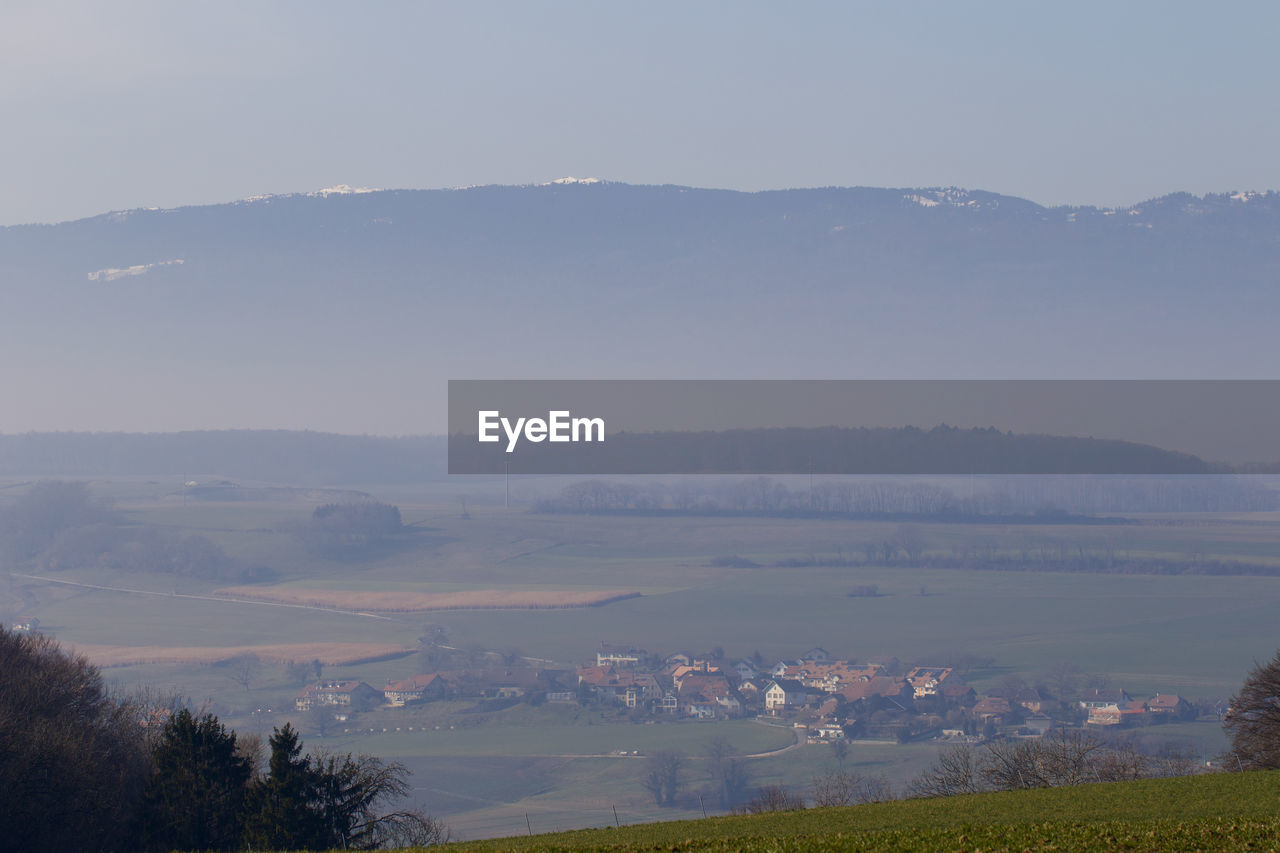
(863,426)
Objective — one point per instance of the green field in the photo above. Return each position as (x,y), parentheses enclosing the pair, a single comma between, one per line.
(1196,635)
(1216,812)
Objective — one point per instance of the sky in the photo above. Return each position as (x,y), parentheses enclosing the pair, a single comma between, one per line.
(162,104)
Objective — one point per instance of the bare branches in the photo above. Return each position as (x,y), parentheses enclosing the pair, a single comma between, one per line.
(1253,720)
(849,788)
(1064,757)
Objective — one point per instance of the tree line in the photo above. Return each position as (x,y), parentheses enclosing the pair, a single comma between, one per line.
(58,524)
(940,450)
(85,768)
(1045,499)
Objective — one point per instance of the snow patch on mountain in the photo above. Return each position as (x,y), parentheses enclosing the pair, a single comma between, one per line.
(343,189)
(337,189)
(572,180)
(113,273)
(950,197)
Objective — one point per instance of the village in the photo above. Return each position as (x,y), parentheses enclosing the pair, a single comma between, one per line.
(831,699)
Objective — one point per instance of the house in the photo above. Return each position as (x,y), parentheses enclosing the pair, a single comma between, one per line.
(745,669)
(784,694)
(335,693)
(27,627)
(679,673)
(415,689)
(926,680)
(829,676)
(826,733)
(497,682)
(817,653)
(992,709)
(700,709)
(624,687)
(1170,706)
(1038,725)
(677,659)
(699,691)
(710,685)
(884,686)
(508,682)
(1103,697)
(1120,714)
(611,655)
(1032,700)
(955,690)
(670,703)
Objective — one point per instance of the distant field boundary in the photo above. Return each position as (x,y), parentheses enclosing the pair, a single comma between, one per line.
(419,602)
(329,654)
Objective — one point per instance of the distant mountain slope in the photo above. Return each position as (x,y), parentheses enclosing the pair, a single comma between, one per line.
(347,311)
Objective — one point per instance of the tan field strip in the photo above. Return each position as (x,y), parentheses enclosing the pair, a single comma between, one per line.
(417,602)
(327,653)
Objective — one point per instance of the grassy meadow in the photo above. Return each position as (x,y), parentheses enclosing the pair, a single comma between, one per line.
(1219,812)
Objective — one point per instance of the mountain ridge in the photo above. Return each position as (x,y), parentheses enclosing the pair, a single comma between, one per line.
(347,312)
(929,196)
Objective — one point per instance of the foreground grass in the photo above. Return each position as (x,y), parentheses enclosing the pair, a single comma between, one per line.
(1217,812)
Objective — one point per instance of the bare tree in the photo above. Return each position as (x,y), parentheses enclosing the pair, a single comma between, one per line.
(849,788)
(1070,756)
(245,669)
(1122,762)
(1063,680)
(957,771)
(773,798)
(1007,765)
(1252,721)
(664,776)
(912,541)
(253,749)
(729,775)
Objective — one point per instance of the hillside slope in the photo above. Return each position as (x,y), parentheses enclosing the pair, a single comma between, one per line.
(1214,812)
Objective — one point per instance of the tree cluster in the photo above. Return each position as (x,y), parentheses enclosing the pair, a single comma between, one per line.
(84,769)
(1063,757)
(350,530)
(58,524)
(73,757)
(1043,498)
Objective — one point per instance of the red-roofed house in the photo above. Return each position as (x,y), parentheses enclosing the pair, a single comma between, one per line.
(1170,706)
(992,709)
(886,686)
(927,680)
(415,689)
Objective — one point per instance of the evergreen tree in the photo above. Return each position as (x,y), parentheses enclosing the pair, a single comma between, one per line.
(282,810)
(195,800)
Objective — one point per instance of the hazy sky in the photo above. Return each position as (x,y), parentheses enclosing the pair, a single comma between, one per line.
(138,104)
